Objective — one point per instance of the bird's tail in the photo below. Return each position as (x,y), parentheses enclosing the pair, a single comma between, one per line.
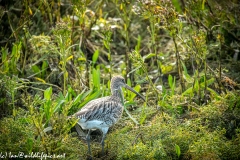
(79,130)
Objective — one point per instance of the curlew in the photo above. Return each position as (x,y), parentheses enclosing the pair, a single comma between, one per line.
(103,112)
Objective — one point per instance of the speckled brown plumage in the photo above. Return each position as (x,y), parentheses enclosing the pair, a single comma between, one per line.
(107,109)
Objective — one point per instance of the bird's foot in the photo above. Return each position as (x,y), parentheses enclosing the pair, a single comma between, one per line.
(89,157)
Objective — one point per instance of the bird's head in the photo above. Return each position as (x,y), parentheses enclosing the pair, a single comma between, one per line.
(118,82)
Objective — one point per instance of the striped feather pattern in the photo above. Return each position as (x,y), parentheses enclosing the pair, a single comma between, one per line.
(106,109)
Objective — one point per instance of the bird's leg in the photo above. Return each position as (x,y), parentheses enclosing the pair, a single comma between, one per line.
(102,143)
(104,133)
(88,142)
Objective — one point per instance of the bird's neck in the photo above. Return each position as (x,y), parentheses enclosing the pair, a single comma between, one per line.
(118,94)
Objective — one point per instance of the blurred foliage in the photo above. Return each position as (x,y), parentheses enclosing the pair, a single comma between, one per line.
(183,55)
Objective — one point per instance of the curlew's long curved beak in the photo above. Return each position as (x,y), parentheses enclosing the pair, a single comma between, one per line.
(129,88)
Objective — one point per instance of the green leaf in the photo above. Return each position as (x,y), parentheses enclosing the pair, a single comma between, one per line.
(142,119)
(14,50)
(196,85)
(186,76)
(214,93)
(35,69)
(96,78)
(106,44)
(188,91)
(4,60)
(77,99)
(90,97)
(2,100)
(170,80)
(178,151)
(176,4)
(130,95)
(69,58)
(47,129)
(84,95)
(29,144)
(70,94)
(95,56)
(137,47)
(4,54)
(44,67)
(60,96)
(210,81)
(129,103)
(48,93)
(47,112)
(203,4)
(70,90)
(82,59)
(129,82)
(150,55)
(136,88)
(57,107)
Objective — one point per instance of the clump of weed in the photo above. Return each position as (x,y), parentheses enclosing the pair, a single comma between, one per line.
(17,135)
(20,135)
(208,146)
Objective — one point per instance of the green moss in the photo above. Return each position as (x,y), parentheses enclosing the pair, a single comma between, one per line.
(20,135)
(201,137)
(16,136)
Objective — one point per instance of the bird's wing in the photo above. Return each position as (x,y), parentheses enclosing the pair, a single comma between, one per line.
(104,109)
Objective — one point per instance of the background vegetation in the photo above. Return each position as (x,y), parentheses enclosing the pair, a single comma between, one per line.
(182,55)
